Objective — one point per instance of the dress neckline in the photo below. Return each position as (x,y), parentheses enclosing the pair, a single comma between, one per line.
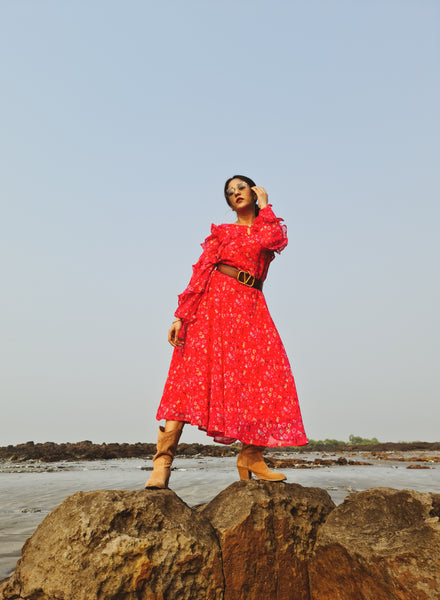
(248,228)
(242,225)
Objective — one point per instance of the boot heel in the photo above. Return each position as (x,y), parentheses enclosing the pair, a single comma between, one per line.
(250,462)
(244,473)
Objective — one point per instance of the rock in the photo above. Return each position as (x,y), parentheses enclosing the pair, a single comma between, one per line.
(286,463)
(301,463)
(86,450)
(119,545)
(266,533)
(380,544)
(272,541)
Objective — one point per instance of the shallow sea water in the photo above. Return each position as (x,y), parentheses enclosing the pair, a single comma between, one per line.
(30,490)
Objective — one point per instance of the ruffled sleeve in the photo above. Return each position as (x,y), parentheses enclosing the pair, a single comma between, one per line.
(189,300)
(272,233)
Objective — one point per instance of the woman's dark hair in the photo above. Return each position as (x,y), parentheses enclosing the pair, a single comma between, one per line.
(250,183)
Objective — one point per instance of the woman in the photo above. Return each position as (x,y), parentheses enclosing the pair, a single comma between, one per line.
(229,373)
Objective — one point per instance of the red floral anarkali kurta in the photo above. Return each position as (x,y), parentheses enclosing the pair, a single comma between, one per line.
(232,377)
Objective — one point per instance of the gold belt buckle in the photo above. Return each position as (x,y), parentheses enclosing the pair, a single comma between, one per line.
(246,278)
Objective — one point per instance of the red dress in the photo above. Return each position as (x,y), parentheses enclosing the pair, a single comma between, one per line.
(232,377)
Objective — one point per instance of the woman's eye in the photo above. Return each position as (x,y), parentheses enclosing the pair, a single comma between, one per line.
(241,186)
(230,192)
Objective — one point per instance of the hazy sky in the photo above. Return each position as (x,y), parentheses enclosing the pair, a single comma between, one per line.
(120,122)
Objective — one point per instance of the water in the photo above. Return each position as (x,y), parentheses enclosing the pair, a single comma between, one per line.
(30,490)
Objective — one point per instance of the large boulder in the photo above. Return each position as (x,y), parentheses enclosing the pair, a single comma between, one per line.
(380,544)
(267,533)
(272,541)
(120,545)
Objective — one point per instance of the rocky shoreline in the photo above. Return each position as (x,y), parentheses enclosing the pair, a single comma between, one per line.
(255,540)
(87,450)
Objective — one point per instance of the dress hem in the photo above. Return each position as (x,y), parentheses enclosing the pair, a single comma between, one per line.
(221,437)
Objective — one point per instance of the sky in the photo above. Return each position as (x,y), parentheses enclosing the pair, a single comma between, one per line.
(119,124)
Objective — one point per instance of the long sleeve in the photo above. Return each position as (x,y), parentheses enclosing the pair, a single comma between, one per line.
(189,300)
(272,233)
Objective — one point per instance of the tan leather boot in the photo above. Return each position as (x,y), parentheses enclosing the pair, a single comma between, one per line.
(250,460)
(166,448)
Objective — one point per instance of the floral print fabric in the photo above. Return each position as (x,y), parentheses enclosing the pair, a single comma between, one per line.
(232,377)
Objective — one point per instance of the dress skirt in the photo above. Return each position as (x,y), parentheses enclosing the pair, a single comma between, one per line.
(232,377)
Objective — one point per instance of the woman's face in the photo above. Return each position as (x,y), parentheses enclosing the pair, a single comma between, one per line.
(239,194)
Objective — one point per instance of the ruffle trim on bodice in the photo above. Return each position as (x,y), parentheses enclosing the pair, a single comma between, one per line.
(270,233)
(189,300)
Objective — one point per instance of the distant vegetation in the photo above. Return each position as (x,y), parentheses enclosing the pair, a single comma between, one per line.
(355,439)
(352,440)
(356,442)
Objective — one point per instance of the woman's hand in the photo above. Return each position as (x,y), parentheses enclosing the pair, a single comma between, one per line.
(262,197)
(173,334)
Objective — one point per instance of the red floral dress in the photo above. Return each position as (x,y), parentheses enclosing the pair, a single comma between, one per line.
(232,377)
